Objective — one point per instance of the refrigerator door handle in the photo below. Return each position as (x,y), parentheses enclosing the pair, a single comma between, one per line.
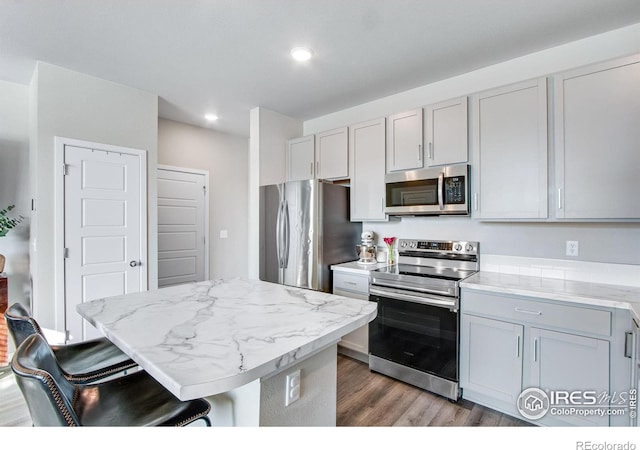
(286,235)
(279,226)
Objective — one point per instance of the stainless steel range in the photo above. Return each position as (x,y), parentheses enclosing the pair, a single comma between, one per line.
(414,338)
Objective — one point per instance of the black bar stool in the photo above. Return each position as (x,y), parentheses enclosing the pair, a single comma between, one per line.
(131,400)
(82,362)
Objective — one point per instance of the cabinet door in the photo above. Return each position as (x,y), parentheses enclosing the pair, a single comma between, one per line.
(491,358)
(446,132)
(567,362)
(597,122)
(404,141)
(510,151)
(300,159)
(367,168)
(332,154)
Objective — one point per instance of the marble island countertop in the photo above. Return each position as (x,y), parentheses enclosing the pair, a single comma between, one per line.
(586,293)
(207,338)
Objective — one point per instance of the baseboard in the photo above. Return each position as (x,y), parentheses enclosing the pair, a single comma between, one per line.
(362,357)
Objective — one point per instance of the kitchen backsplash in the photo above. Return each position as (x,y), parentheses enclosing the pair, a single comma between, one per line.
(606,273)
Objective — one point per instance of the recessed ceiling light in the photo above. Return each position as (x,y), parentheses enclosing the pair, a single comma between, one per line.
(211,117)
(301,53)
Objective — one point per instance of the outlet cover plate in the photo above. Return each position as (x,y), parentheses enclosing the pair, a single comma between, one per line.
(573,248)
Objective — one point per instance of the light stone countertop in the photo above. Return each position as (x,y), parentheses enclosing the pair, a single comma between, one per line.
(202,339)
(356,267)
(585,293)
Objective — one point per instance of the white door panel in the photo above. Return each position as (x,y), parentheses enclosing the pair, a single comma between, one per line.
(181,226)
(178,215)
(103,249)
(102,195)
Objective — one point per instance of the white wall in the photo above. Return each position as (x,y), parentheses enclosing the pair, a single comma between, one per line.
(269,132)
(78,106)
(14,185)
(226,158)
(599,242)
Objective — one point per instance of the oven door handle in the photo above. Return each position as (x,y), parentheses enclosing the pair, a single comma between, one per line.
(422,299)
(396,288)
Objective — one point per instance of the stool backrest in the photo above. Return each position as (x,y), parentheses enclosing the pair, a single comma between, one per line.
(47,392)
(20,323)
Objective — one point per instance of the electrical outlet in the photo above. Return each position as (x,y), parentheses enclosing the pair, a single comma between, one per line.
(573,248)
(292,389)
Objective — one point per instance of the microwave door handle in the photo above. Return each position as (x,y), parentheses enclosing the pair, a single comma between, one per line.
(441,190)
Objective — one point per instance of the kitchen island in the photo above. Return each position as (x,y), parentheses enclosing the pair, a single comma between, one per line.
(238,343)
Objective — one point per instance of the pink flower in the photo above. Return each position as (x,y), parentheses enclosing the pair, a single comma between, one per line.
(390,241)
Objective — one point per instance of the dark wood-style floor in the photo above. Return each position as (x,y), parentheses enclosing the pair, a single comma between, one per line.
(367,398)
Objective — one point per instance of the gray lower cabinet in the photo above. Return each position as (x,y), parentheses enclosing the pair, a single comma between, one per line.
(356,285)
(511,343)
(491,360)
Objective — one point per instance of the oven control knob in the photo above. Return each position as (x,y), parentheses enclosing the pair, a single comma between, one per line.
(469,248)
(457,247)
(403,244)
(413,245)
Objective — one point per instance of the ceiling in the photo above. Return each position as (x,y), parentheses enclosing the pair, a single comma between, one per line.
(228,56)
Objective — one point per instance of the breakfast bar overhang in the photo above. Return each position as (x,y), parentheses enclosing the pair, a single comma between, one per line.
(234,342)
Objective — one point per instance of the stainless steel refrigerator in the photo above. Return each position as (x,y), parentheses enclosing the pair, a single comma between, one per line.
(304,229)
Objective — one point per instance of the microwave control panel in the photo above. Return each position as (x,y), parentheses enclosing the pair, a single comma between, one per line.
(454,190)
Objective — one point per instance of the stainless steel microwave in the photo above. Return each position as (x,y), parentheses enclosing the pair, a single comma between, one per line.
(434,191)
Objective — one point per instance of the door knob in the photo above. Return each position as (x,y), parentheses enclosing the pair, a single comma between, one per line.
(134,263)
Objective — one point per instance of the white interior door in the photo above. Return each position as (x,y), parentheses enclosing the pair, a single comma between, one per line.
(182,225)
(103,229)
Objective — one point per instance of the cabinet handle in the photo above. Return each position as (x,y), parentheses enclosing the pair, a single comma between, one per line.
(419,152)
(527,311)
(350,282)
(311,169)
(559,198)
(518,346)
(628,345)
(430,150)
(475,201)
(535,350)
(382,204)
(318,169)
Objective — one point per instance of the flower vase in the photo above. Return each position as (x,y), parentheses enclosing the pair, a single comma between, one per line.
(391,256)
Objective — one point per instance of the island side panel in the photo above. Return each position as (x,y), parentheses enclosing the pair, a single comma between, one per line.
(317,403)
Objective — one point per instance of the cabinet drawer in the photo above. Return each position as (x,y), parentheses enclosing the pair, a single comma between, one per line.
(570,318)
(352,283)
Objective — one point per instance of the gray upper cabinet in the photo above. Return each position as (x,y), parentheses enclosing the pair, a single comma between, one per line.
(597,136)
(446,132)
(367,161)
(404,141)
(301,158)
(509,142)
(332,154)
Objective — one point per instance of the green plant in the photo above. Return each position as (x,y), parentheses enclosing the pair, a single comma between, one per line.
(7,223)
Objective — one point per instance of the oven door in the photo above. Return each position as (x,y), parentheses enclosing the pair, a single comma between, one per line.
(416,331)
